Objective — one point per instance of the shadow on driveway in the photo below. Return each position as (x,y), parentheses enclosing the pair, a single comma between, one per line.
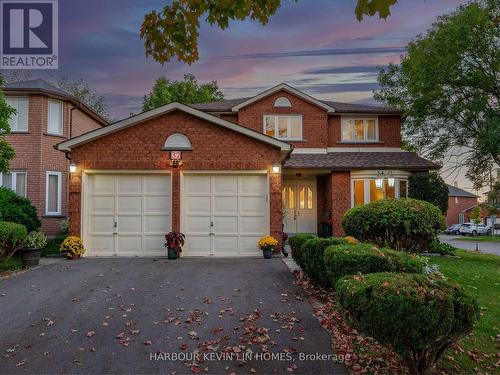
(114,315)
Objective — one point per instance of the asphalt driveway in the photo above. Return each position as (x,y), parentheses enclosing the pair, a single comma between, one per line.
(484,247)
(131,315)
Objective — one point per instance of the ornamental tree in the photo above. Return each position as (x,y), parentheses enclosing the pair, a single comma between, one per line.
(429,187)
(7,153)
(448,86)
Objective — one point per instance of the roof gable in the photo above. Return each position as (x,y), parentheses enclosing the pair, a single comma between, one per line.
(137,119)
(289,89)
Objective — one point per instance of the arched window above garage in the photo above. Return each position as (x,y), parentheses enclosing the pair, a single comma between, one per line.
(282,102)
(177,142)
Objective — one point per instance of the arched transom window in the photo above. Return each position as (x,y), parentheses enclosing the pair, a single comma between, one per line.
(282,102)
(177,142)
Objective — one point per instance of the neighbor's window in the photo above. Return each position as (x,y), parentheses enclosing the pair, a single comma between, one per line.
(359,130)
(283,127)
(14,180)
(53,193)
(18,121)
(55,118)
(461,218)
(361,196)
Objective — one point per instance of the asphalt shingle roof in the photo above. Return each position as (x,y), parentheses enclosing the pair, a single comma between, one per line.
(360,160)
(36,84)
(456,192)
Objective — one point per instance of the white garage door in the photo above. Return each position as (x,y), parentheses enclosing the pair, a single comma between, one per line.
(128,215)
(224,215)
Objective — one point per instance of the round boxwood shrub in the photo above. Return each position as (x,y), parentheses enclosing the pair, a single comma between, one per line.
(12,237)
(343,260)
(17,209)
(417,317)
(312,255)
(296,242)
(400,224)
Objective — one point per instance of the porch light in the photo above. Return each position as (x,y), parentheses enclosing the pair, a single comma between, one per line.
(276,168)
(72,168)
(391,181)
(175,158)
(379,181)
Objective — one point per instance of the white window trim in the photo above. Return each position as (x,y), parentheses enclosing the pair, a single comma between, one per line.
(344,119)
(61,119)
(14,181)
(17,114)
(287,126)
(285,102)
(59,193)
(367,195)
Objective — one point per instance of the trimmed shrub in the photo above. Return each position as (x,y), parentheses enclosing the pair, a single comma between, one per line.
(401,224)
(442,248)
(343,260)
(312,255)
(416,316)
(296,242)
(17,209)
(12,237)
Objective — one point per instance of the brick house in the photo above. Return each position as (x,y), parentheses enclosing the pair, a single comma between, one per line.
(226,173)
(460,202)
(45,116)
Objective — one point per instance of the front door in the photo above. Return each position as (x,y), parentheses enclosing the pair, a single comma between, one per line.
(299,206)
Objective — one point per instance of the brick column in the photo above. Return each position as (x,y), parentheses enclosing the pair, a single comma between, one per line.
(340,195)
(275,217)
(176,199)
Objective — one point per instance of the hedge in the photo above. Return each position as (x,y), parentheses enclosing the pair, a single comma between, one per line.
(417,317)
(401,224)
(343,260)
(312,256)
(12,237)
(296,242)
(17,209)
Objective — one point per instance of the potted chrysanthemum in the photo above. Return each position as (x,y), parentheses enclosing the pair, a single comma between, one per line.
(267,244)
(73,246)
(174,242)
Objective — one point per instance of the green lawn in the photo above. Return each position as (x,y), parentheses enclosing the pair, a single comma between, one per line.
(480,275)
(482,238)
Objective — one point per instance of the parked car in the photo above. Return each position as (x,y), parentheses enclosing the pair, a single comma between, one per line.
(474,229)
(453,229)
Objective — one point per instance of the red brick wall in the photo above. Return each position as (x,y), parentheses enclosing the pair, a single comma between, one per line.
(314,119)
(214,148)
(454,209)
(36,155)
(389,133)
(339,193)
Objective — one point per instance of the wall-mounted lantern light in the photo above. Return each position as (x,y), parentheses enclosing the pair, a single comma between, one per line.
(175,158)
(276,168)
(379,181)
(391,181)
(72,168)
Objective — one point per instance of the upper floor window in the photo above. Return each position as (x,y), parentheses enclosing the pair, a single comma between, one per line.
(18,121)
(283,127)
(282,102)
(359,130)
(55,118)
(14,180)
(53,193)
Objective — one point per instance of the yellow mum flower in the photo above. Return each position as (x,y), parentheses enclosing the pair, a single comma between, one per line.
(268,242)
(73,245)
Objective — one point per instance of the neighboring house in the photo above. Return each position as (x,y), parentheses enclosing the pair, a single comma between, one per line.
(227,173)
(460,202)
(45,116)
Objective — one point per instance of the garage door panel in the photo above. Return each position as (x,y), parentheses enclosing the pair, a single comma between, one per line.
(226,205)
(129,185)
(253,185)
(248,245)
(253,225)
(154,245)
(198,206)
(226,225)
(129,245)
(102,205)
(154,205)
(102,184)
(102,245)
(198,185)
(197,245)
(157,224)
(157,185)
(226,246)
(102,224)
(253,206)
(129,205)
(197,225)
(225,185)
(129,224)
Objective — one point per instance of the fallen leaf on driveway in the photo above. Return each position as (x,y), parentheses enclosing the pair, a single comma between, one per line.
(147,342)
(22,363)
(183,346)
(90,334)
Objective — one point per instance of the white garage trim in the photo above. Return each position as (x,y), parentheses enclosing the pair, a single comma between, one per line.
(85,200)
(184,174)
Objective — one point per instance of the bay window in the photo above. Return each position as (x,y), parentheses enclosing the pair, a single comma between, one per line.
(365,190)
(283,127)
(53,193)
(15,181)
(19,121)
(359,130)
(55,118)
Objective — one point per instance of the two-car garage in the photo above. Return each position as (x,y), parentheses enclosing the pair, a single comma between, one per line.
(128,214)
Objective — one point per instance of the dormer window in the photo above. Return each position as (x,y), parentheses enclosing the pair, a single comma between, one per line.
(282,101)
(359,130)
(284,127)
